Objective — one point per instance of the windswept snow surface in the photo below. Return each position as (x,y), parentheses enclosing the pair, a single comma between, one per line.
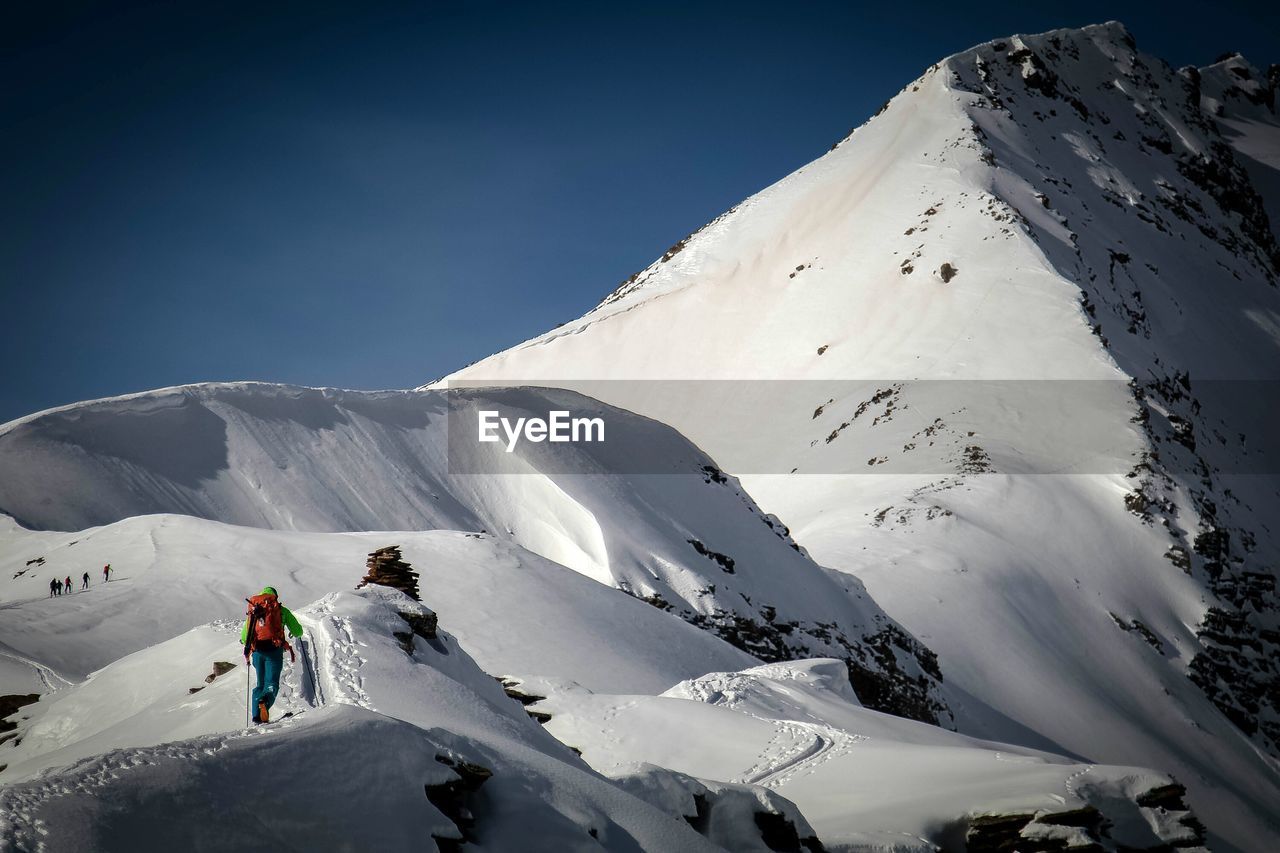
(173,573)
(346,771)
(864,780)
(720,746)
(1034,210)
(644,511)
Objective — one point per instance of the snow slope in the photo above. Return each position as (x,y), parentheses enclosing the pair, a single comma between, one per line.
(162,728)
(173,573)
(909,309)
(865,780)
(412,719)
(644,511)
(1087,559)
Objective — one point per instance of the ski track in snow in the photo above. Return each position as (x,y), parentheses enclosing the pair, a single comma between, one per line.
(342,660)
(796,748)
(51,680)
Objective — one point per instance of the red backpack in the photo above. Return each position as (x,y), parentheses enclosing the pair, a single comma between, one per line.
(265,625)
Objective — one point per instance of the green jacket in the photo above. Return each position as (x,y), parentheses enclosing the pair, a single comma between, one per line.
(290,621)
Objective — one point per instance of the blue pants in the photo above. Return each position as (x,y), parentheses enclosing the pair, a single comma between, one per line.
(268,664)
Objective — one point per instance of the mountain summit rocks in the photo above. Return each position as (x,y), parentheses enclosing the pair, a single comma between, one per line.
(387,568)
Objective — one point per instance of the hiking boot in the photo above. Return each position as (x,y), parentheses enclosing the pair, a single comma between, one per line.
(263,716)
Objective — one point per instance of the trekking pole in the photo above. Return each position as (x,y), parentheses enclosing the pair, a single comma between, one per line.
(248,694)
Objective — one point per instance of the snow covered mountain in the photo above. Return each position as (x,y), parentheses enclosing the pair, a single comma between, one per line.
(697,741)
(367,713)
(1042,237)
(950,423)
(686,539)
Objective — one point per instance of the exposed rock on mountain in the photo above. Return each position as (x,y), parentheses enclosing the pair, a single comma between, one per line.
(1077,426)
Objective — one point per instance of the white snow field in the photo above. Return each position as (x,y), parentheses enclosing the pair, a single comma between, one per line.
(678,534)
(374,729)
(1034,210)
(960,436)
(865,780)
(640,691)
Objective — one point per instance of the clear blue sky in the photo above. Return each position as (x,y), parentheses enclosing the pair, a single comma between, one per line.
(370,195)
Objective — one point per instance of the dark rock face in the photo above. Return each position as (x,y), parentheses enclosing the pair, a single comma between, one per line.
(512,689)
(777,829)
(420,625)
(890,688)
(1221,178)
(889,669)
(779,833)
(9,705)
(700,820)
(1136,626)
(220,667)
(999,833)
(1190,196)
(387,568)
(724,561)
(1237,666)
(458,799)
(1086,828)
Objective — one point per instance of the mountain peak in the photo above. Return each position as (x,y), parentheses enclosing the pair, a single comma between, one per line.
(1055,206)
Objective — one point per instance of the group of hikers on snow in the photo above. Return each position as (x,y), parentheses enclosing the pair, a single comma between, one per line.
(264,641)
(59,587)
(263,636)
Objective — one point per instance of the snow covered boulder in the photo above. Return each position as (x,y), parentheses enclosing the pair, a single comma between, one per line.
(742,818)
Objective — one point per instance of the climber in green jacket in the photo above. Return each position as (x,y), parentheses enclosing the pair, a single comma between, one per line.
(263,637)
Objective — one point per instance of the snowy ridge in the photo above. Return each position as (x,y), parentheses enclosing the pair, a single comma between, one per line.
(413,718)
(866,780)
(686,538)
(1033,210)
(180,572)
(91,766)
(1041,207)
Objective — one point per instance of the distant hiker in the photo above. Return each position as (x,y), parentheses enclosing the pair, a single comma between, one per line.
(85,583)
(53,587)
(263,637)
(57,587)
(106,573)
(67,584)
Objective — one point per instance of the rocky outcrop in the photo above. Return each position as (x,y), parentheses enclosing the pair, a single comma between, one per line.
(387,568)
(1190,188)
(723,811)
(421,624)
(1167,824)
(9,705)
(889,669)
(1236,665)
(511,687)
(220,667)
(456,798)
